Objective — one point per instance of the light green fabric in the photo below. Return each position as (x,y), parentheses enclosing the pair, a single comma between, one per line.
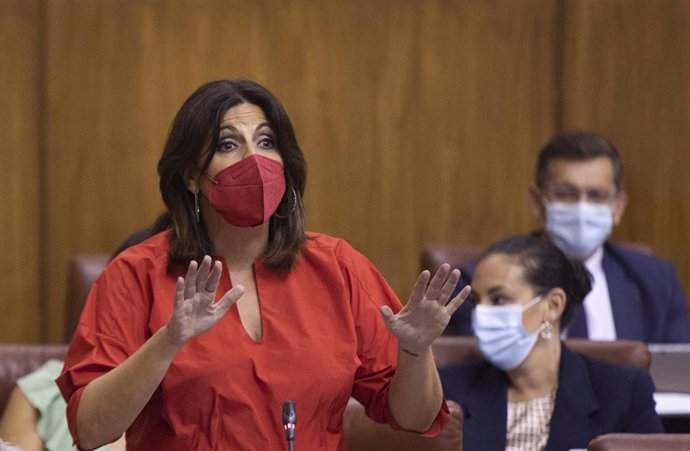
(40,389)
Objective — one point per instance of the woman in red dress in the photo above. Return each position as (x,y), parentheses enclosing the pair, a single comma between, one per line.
(194,338)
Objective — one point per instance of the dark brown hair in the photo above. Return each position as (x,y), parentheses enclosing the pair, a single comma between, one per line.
(193,137)
(579,146)
(545,267)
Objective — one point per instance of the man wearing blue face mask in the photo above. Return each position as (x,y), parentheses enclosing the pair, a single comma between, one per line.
(579,196)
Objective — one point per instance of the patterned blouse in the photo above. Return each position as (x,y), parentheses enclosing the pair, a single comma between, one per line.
(528,423)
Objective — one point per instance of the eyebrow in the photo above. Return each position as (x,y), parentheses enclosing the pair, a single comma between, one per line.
(495,289)
(232,129)
(573,186)
(490,291)
(264,125)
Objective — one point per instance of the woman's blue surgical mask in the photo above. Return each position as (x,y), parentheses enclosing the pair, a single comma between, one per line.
(503,340)
(578,229)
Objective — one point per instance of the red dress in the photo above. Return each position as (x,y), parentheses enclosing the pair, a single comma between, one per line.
(323,341)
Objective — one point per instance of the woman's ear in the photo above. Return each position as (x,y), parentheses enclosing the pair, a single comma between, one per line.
(555,299)
(191,180)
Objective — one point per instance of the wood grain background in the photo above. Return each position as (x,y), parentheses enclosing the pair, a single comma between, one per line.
(420,120)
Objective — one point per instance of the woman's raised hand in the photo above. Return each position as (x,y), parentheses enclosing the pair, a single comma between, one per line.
(195,312)
(427,312)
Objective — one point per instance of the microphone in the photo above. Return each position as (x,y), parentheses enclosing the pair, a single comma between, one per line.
(289,420)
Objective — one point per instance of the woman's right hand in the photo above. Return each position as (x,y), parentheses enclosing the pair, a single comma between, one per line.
(195,312)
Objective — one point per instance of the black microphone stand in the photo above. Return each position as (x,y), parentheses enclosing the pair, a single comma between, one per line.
(289,421)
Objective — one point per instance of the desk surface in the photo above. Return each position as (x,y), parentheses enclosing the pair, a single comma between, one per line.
(672,404)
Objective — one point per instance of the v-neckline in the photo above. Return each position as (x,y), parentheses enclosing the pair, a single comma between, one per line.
(235,310)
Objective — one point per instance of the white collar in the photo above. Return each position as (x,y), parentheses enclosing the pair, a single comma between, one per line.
(593,263)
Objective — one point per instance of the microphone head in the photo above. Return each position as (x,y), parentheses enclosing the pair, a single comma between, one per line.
(289,414)
(289,420)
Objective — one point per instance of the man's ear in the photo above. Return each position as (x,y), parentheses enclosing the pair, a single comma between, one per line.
(619,204)
(536,204)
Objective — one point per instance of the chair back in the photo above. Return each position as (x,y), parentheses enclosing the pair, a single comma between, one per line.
(363,434)
(84,269)
(456,255)
(16,360)
(452,350)
(624,352)
(459,255)
(640,442)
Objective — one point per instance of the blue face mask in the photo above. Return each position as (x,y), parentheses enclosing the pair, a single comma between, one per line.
(578,229)
(503,340)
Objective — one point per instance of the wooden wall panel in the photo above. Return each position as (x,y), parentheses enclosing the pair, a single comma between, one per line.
(627,75)
(20,132)
(414,116)
(421,140)
(420,120)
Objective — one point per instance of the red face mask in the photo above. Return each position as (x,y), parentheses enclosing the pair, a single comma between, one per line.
(247,193)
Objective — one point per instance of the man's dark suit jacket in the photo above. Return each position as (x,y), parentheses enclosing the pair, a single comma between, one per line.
(593,398)
(647,300)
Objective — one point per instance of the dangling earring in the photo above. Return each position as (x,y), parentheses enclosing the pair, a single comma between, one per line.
(546,330)
(292,209)
(196,206)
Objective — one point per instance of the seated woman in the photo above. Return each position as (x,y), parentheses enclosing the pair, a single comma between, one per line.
(34,418)
(533,393)
(35,415)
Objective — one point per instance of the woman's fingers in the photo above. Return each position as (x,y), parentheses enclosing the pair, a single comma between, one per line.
(203,279)
(179,294)
(202,274)
(449,286)
(419,287)
(214,278)
(388,315)
(441,286)
(433,291)
(229,299)
(457,301)
(190,280)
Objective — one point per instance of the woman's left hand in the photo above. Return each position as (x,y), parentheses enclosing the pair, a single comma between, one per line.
(427,312)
